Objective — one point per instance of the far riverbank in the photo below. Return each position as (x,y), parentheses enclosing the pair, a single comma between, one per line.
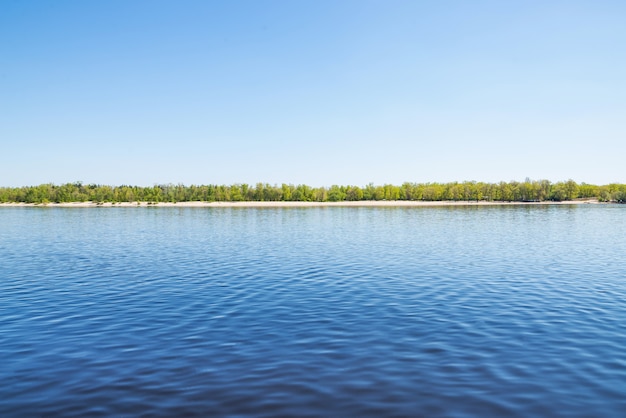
(281,204)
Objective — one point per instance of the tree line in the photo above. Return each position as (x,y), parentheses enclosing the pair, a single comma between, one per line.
(513,191)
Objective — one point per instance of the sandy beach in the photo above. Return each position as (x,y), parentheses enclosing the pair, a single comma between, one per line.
(363,203)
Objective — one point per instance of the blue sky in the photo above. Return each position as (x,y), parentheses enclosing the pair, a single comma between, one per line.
(311,91)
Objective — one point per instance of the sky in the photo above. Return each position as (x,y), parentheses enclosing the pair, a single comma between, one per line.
(315,92)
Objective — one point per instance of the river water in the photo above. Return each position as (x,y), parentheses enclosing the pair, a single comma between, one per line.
(436,311)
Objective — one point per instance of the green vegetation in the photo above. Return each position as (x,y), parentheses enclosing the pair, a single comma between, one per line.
(527,191)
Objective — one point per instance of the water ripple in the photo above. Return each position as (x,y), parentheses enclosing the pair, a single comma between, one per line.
(307,312)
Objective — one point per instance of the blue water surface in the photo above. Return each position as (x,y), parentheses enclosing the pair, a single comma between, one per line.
(435,311)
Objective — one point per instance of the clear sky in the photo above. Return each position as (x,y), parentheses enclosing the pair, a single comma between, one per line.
(318,92)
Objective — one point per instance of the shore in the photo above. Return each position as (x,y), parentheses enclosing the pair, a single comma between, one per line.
(362,203)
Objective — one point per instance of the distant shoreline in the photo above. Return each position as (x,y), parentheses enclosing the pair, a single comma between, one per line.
(283,204)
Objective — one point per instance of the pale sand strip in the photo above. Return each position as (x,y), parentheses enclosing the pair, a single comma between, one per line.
(363,203)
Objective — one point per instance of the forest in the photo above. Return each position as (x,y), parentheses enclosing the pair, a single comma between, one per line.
(513,191)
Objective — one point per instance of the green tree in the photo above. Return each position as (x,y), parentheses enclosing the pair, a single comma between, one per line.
(335,194)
